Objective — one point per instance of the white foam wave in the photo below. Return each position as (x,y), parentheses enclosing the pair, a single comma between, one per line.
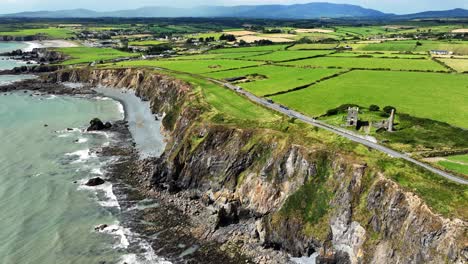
(82,140)
(120,231)
(106,188)
(305,260)
(83,155)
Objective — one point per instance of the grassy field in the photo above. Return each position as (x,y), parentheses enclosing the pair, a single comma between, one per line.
(458,47)
(146,43)
(370,63)
(456,167)
(250,49)
(191,66)
(459,158)
(407,91)
(278,56)
(51,32)
(81,55)
(380,55)
(460,65)
(315,46)
(276,78)
(219,55)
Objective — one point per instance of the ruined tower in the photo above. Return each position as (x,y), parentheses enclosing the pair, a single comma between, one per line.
(391,121)
(353,116)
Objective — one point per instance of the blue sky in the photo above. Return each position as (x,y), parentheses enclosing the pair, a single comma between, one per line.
(390,6)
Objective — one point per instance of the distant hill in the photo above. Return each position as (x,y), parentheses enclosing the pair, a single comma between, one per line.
(296,11)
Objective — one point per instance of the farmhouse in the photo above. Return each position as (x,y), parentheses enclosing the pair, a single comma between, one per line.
(441,52)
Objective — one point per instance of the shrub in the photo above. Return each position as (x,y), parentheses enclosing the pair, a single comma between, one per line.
(388,109)
(374,108)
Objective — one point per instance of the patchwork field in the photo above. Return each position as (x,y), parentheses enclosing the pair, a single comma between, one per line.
(370,63)
(407,91)
(460,65)
(315,46)
(457,47)
(289,55)
(220,55)
(81,55)
(385,54)
(146,43)
(191,66)
(271,79)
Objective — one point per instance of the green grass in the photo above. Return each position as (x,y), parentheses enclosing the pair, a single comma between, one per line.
(218,56)
(460,65)
(459,47)
(370,63)
(51,32)
(250,49)
(231,106)
(278,56)
(441,97)
(81,55)
(459,158)
(314,46)
(455,167)
(146,43)
(191,66)
(277,78)
(379,55)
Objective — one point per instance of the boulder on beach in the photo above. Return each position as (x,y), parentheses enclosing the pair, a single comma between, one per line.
(96,124)
(95,182)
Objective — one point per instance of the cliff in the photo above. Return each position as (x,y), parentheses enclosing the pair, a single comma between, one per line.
(287,194)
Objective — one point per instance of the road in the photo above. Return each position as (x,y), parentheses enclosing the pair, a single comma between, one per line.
(345,133)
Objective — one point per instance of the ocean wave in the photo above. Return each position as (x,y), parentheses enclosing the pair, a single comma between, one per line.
(83,155)
(106,189)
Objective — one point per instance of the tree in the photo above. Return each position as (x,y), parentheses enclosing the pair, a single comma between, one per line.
(243,43)
(388,109)
(374,108)
(228,37)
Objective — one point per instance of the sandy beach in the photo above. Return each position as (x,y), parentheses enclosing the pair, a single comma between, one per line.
(49,44)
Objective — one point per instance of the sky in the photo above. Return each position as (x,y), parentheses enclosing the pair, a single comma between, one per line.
(389,6)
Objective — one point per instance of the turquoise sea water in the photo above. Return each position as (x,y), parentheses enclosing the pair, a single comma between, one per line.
(47,214)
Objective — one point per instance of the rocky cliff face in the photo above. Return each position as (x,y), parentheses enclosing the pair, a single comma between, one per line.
(298,198)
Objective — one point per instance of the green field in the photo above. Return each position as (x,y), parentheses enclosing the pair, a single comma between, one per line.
(51,32)
(380,55)
(460,65)
(315,46)
(250,49)
(278,56)
(191,66)
(81,55)
(277,78)
(459,158)
(146,43)
(370,63)
(436,96)
(206,56)
(458,47)
(456,167)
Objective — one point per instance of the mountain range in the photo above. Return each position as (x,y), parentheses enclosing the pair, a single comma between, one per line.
(296,11)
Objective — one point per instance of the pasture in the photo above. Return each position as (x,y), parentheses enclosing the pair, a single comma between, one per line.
(51,32)
(80,55)
(460,65)
(283,55)
(314,46)
(436,96)
(250,49)
(370,63)
(190,66)
(145,43)
(270,79)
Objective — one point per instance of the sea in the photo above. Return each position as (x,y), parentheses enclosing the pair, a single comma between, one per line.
(47,213)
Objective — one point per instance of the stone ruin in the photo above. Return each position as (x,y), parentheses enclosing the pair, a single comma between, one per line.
(353,116)
(352,120)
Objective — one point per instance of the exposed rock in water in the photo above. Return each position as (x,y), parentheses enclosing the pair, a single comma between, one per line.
(97,125)
(95,182)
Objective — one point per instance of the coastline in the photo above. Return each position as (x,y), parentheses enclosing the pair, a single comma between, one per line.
(48,44)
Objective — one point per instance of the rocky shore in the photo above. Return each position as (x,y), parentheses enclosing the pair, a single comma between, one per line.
(230,195)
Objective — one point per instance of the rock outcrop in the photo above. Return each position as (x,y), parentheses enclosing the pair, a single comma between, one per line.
(286,196)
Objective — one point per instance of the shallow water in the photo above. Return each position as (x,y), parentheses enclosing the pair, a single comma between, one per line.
(46,217)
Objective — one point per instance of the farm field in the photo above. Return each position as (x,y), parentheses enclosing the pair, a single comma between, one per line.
(81,55)
(453,166)
(370,63)
(315,46)
(459,158)
(460,65)
(283,55)
(380,55)
(250,49)
(55,33)
(457,47)
(146,43)
(219,55)
(191,66)
(275,78)
(407,91)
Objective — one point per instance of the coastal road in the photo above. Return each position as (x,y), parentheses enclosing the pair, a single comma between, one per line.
(342,132)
